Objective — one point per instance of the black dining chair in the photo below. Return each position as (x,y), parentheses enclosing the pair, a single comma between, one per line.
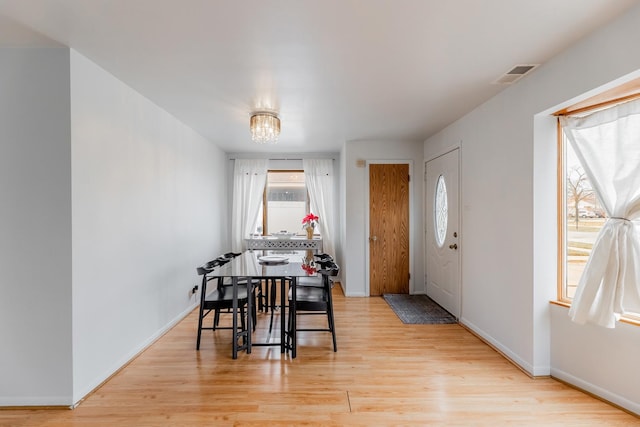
(271,285)
(321,260)
(218,299)
(313,300)
(317,281)
(259,294)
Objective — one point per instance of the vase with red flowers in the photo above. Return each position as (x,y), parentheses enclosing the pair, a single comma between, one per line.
(309,224)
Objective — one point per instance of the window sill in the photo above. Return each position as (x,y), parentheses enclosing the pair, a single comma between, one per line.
(631,320)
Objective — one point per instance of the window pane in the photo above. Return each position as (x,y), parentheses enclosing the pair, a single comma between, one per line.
(585,217)
(286,201)
(440,213)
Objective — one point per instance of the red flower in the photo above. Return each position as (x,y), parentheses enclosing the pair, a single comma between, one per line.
(309,268)
(310,220)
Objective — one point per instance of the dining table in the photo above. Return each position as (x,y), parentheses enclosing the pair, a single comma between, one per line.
(287,266)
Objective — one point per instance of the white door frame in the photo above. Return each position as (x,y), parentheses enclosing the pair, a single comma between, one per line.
(460,219)
(367,290)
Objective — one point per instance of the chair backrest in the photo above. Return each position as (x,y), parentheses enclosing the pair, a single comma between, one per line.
(323,257)
(330,269)
(208,267)
(324,263)
(231,254)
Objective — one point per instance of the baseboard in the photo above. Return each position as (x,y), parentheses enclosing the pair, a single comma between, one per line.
(130,357)
(516,360)
(349,294)
(353,294)
(593,390)
(41,402)
(597,392)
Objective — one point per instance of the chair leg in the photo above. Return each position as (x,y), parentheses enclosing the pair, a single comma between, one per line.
(254,317)
(272,302)
(199,328)
(265,295)
(216,318)
(331,320)
(260,297)
(254,313)
(271,322)
(289,326)
(332,326)
(201,314)
(272,292)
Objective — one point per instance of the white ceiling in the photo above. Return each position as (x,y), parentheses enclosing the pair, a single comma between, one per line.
(335,70)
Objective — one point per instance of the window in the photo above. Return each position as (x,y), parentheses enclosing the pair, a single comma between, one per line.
(440,215)
(286,201)
(583,218)
(608,152)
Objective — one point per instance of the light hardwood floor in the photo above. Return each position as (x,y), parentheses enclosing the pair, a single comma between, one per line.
(385,373)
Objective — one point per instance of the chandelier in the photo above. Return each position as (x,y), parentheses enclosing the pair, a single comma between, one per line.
(265,127)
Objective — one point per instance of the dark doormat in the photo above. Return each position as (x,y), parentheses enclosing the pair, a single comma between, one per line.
(418,309)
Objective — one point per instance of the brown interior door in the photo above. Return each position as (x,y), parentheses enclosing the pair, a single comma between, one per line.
(388,229)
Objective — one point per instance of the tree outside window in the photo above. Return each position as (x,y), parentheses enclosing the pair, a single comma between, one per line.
(584,217)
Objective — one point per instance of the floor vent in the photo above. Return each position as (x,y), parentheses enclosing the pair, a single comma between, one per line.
(515,74)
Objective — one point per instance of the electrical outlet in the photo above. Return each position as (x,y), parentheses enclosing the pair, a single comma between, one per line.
(194,290)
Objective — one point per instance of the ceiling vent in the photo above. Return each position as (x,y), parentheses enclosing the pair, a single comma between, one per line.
(515,74)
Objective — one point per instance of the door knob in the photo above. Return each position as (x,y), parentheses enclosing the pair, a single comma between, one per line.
(373,238)
(454,246)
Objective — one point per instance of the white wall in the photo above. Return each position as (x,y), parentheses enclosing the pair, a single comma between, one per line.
(35,227)
(341,236)
(355,208)
(148,207)
(108,204)
(496,225)
(584,356)
(508,225)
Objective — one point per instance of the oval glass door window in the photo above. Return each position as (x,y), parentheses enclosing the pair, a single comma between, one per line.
(440,211)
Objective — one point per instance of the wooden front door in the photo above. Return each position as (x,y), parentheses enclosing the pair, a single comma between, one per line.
(388,229)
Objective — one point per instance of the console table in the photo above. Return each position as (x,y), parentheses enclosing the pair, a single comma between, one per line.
(293,243)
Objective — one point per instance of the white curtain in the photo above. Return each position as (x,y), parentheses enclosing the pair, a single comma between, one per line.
(249,179)
(318,176)
(607,143)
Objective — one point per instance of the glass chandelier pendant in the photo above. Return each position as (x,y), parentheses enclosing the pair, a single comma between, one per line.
(265,127)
